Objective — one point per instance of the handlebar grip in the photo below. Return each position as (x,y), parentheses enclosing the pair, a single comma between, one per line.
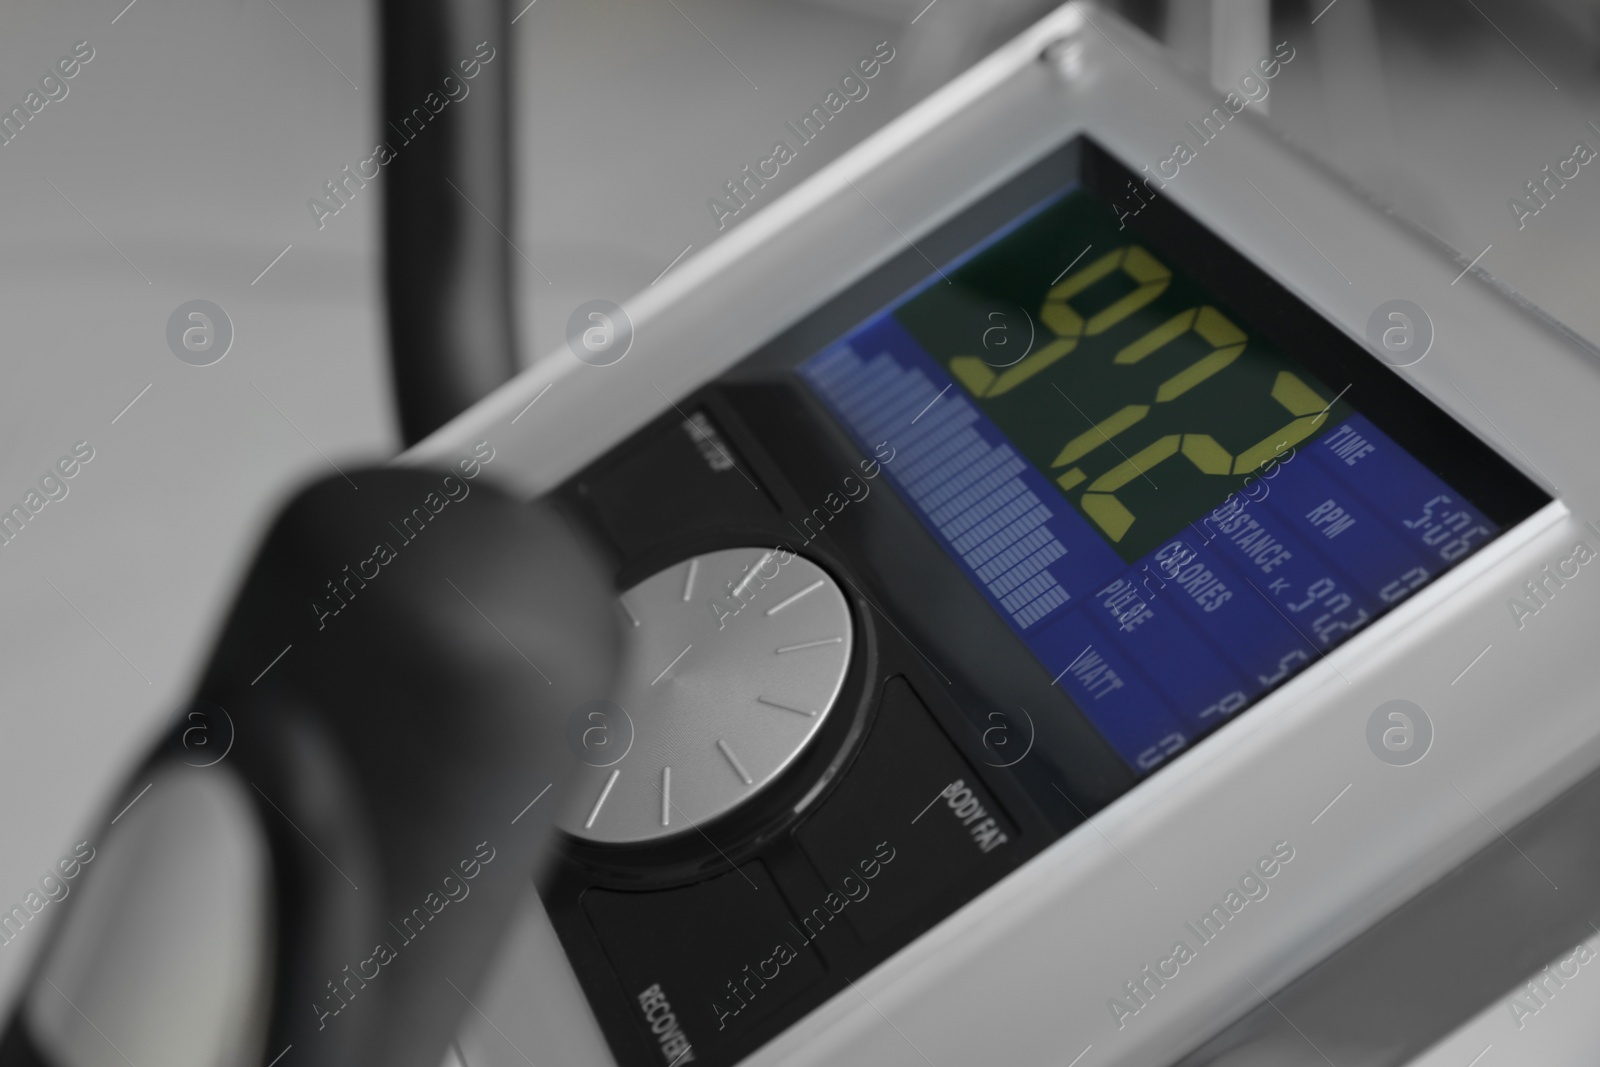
(398,668)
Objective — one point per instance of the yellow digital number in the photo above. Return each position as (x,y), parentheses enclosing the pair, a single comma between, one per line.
(1227,342)
(1099,500)
(1067,323)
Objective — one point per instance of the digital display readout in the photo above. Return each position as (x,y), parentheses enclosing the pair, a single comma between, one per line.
(1173,514)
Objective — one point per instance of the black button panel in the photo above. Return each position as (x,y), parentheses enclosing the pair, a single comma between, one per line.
(910,822)
(704,964)
(703,947)
(679,477)
(711,970)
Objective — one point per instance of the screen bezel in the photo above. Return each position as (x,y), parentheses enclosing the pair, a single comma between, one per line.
(1501,491)
(1448,448)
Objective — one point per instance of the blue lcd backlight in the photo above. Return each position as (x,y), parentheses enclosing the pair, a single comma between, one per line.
(1173,515)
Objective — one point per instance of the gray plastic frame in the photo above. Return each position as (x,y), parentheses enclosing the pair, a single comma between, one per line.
(1025,973)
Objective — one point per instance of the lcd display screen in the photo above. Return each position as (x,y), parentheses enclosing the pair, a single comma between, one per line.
(1173,512)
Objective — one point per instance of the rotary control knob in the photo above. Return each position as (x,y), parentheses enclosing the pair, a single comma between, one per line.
(732,662)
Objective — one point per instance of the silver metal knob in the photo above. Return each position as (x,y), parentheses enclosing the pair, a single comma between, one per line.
(733,661)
